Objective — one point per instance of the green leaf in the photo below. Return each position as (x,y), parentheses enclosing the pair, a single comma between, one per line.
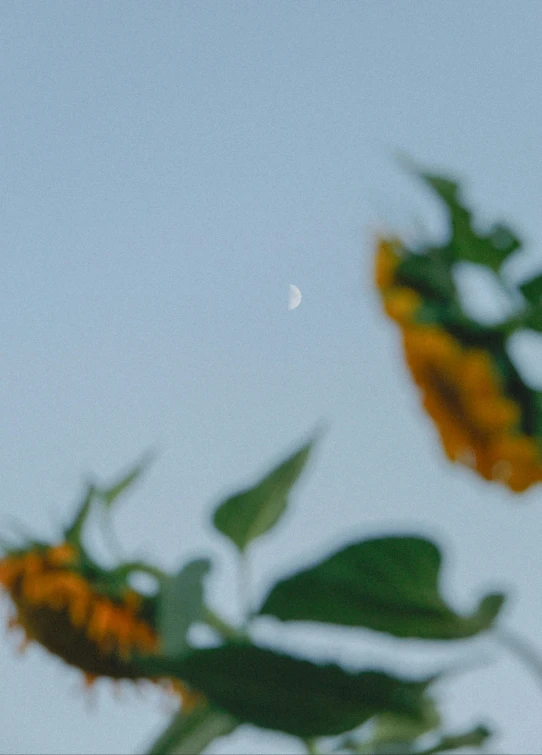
(532,289)
(395,727)
(110,494)
(73,532)
(180,605)
(466,244)
(390,741)
(276,691)
(446,189)
(474,738)
(190,734)
(429,274)
(532,318)
(253,512)
(386,584)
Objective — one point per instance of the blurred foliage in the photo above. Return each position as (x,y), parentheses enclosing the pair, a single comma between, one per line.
(90,615)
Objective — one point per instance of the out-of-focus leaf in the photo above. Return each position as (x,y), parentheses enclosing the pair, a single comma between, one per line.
(108,495)
(532,319)
(476,737)
(427,273)
(276,691)
(394,727)
(532,289)
(466,244)
(397,735)
(386,584)
(180,605)
(190,734)
(73,532)
(446,189)
(253,512)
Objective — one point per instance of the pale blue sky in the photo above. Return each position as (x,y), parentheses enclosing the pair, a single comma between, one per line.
(167,168)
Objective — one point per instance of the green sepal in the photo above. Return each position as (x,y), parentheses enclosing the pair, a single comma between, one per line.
(73,532)
(109,495)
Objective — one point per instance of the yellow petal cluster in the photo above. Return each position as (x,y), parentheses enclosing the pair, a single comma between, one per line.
(400,302)
(58,608)
(461,388)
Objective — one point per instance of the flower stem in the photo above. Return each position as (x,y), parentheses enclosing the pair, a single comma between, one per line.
(224,629)
(312,747)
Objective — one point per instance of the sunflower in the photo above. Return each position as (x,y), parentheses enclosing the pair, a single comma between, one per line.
(77,618)
(461,387)
(57,607)
(400,302)
(463,392)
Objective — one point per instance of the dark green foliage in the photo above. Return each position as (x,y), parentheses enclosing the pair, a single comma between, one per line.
(387,584)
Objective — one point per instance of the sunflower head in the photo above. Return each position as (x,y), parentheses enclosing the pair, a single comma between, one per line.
(77,618)
(465,395)
(469,386)
(400,302)
(387,259)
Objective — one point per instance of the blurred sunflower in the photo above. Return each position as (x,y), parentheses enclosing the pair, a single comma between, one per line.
(56,606)
(400,302)
(462,389)
(87,615)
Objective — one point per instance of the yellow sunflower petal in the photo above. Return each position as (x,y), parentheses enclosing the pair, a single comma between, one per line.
(386,261)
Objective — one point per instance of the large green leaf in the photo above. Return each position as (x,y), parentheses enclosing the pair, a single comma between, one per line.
(276,691)
(180,605)
(387,584)
(253,512)
(466,244)
(190,734)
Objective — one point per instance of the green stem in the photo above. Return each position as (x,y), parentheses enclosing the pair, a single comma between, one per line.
(109,535)
(224,629)
(523,651)
(312,747)
(140,566)
(244,589)
(189,734)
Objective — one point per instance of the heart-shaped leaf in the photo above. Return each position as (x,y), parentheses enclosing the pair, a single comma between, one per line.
(386,584)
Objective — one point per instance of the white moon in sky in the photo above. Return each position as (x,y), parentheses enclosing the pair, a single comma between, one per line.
(294,296)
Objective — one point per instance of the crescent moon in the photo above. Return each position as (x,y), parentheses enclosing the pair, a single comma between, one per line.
(294,296)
